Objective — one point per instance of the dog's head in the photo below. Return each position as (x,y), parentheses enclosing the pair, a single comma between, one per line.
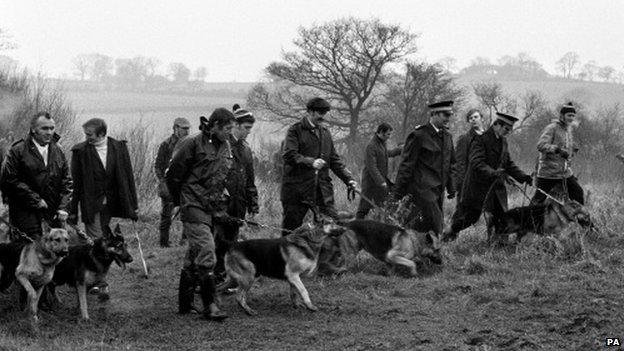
(55,240)
(572,210)
(115,246)
(427,245)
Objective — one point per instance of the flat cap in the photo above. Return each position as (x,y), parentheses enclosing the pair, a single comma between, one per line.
(505,118)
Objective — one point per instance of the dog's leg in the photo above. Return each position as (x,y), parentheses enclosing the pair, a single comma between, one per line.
(294,296)
(295,280)
(395,258)
(81,291)
(244,284)
(33,296)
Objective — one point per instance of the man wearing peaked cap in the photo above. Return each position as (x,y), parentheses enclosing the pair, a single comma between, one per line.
(425,170)
(557,147)
(488,168)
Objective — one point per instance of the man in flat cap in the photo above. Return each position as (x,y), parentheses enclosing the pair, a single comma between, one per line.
(488,168)
(181,128)
(556,146)
(309,154)
(425,169)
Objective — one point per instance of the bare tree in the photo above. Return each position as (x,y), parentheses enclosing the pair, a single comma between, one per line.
(179,72)
(200,74)
(6,41)
(567,63)
(82,64)
(449,64)
(590,70)
(101,65)
(341,60)
(493,98)
(606,73)
(533,104)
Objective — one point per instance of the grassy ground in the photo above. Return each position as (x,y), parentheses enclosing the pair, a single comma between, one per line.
(543,294)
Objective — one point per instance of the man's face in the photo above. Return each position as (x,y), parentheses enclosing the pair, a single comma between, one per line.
(43,130)
(502,130)
(241,131)
(441,119)
(224,132)
(475,120)
(91,137)
(385,135)
(569,118)
(181,130)
(318,117)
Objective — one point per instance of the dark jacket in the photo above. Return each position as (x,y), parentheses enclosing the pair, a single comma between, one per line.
(26,180)
(301,147)
(165,150)
(375,170)
(120,189)
(462,157)
(196,177)
(240,181)
(425,169)
(488,153)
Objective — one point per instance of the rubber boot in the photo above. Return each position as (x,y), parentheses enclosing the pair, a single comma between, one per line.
(186,291)
(207,291)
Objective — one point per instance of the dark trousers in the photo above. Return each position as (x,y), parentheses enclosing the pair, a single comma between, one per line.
(465,216)
(26,221)
(225,236)
(376,194)
(427,216)
(165,221)
(574,190)
(295,212)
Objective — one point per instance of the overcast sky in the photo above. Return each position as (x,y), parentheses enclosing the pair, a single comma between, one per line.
(235,40)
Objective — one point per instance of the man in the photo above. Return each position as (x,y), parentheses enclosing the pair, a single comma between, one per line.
(36,180)
(240,184)
(309,154)
(484,187)
(103,178)
(556,146)
(197,178)
(375,182)
(462,152)
(181,128)
(425,169)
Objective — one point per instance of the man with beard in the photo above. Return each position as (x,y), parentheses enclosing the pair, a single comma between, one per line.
(181,128)
(425,169)
(556,146)
(484,187)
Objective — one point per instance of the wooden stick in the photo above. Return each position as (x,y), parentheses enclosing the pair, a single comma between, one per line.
(136,233)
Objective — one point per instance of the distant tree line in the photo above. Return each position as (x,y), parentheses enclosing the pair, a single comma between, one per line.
(137,73)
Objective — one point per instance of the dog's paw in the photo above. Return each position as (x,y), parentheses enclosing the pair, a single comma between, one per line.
(311,307)
(251,312)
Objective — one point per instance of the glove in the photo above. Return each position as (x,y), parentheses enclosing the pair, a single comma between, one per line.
(351,185)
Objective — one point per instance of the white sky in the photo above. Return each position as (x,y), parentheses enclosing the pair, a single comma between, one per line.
(236,39)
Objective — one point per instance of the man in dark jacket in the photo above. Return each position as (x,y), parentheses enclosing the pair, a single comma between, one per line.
(375,182)
(484,187)
(462,151)
(309,154)
(240,184)
(425,170)
(103,179)
(181,128)
(197,178)
(35,178)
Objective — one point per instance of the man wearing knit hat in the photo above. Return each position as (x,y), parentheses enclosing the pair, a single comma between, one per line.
(240,184)
(484,186)
(196,178)
(181,128)
(556,146)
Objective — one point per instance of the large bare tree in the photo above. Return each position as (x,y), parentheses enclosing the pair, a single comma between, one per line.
(567,63)
(342,61)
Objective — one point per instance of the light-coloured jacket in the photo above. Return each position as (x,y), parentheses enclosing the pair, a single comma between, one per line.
(551,164)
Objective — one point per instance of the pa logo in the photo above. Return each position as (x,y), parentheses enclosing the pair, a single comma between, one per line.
(613,342)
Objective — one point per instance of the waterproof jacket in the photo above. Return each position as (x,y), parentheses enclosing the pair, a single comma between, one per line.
(375,170)
(196,177)
(551,164)
(427,160)
(462,155)
(303,144)
(487,154)
(119,187)
(26,180)
(240,184)
(165,150)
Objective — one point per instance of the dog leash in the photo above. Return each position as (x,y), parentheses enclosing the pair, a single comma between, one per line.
(377,207)
(17,231)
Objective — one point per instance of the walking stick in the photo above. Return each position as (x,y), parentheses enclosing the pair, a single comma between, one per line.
(136,233)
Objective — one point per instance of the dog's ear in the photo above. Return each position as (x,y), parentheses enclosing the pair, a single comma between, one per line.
(117,231)
(45,227)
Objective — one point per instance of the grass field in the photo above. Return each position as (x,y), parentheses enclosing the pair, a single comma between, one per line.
(535,296)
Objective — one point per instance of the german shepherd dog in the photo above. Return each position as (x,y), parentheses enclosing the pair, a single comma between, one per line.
(393,244)
(87,265)
(33,264)
(550,217)
(285,258)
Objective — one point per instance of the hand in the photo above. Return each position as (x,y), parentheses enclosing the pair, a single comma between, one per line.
(42,205)
(62,215)
(352,184)
(450,196)
(564,153)
(318,163)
